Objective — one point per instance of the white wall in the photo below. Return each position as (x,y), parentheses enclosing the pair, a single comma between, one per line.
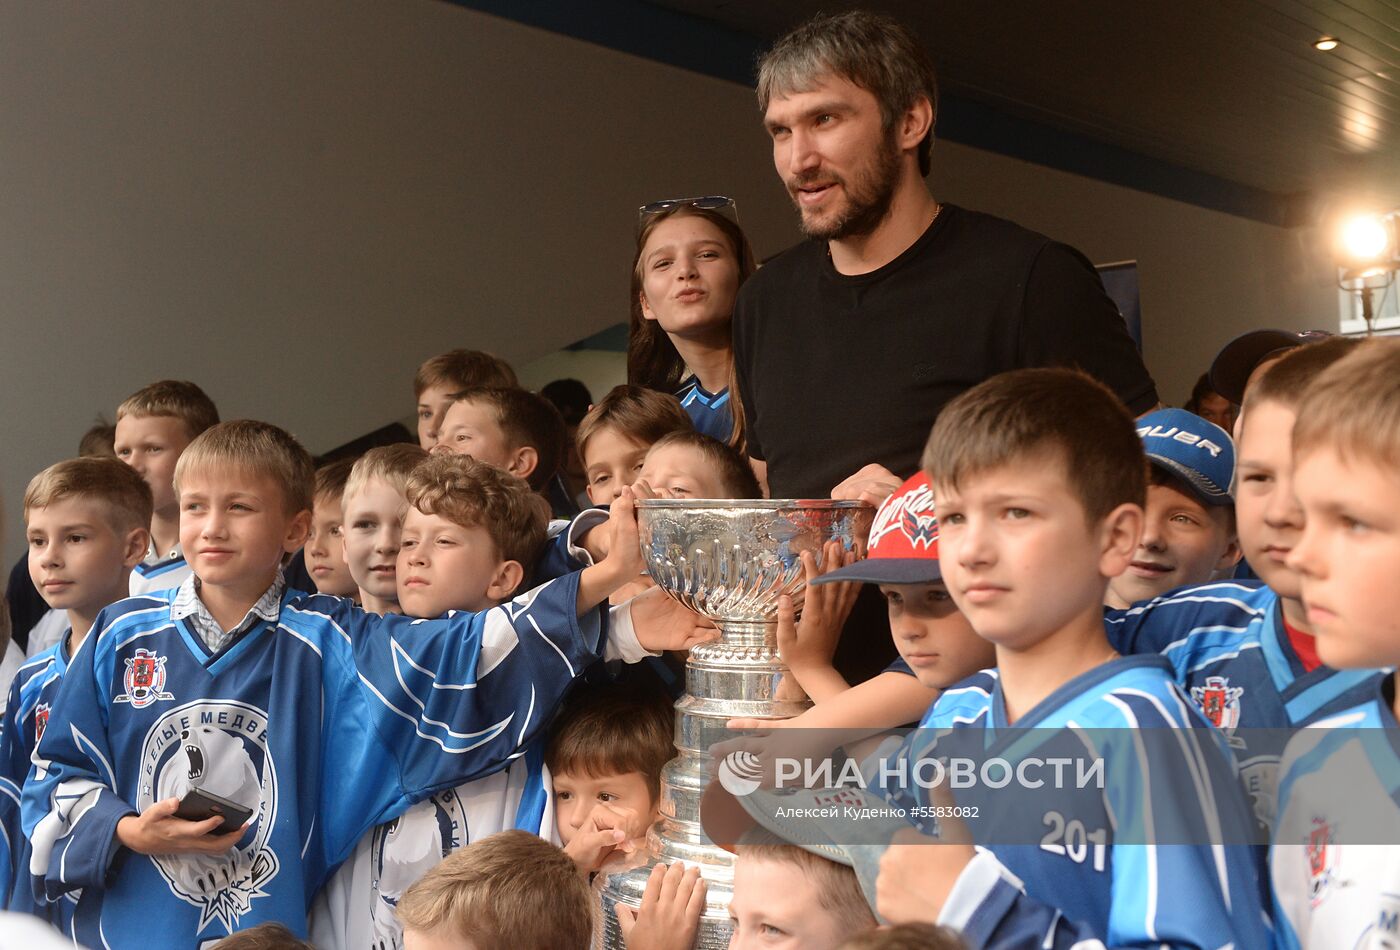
(295,203)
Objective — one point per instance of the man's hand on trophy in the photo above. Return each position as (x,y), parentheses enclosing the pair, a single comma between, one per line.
(664,623)
(807,646)
(631,589)
(669,918)
(755,755)
(872,485)
(604,832)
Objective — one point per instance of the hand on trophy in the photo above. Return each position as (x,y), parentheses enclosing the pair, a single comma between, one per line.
(669,917)
(807,646)
(623,562)
(664,623)
(595,541)
(604,832)
(872,485)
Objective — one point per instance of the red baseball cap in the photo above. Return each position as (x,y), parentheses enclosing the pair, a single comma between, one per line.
(903,541)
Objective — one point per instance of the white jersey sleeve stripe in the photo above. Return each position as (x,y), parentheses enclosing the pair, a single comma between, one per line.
(1148,824)
(554,646)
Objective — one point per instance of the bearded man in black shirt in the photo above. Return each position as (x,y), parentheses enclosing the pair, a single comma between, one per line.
(849,344)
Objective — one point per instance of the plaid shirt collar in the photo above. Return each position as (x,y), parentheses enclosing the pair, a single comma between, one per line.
(188,606)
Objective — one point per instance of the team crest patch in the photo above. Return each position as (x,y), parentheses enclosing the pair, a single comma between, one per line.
(221,748)
(405,849)
(41,721)
(1321,852)
(1219,701)
(144,680)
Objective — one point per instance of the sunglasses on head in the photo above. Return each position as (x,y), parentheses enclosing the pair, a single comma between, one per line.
(720,203)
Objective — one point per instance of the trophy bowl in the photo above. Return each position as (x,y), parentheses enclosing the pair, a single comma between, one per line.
(729,561)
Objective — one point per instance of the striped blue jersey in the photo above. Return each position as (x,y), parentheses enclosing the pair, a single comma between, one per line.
(1113,866)
(709,412)
(1335,858)
(1229,650)
(326,724)
(26,716)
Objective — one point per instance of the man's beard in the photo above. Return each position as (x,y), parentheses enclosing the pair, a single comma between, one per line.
(868,197)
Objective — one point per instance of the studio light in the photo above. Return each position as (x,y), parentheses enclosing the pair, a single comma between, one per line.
(1366,239)
(1367,252)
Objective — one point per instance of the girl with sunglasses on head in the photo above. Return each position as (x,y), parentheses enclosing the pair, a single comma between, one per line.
(691,259)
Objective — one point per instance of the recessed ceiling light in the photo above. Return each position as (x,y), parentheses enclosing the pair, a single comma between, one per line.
(1326,44)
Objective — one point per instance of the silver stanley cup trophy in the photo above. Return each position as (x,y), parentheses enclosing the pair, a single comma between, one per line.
(729,561)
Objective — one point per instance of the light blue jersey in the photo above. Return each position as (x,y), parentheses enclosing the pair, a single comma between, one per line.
(1335,859)
(1113,864)
(1229,651)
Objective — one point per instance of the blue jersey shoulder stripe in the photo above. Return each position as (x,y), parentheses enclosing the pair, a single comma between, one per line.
(1336,690)
(1245,596)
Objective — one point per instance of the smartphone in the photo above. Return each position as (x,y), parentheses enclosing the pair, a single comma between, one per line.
(198,805)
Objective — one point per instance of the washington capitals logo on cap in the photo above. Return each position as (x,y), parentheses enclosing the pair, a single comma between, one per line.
(921,530)
(909,511)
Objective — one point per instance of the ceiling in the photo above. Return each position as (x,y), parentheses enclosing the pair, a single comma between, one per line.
(1230,92)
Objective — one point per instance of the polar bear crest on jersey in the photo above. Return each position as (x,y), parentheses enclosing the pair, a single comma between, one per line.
(218,748)
(407,848)
(212,761)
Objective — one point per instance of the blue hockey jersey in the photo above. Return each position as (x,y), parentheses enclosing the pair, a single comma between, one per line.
(709,412)
(1107,864)
(1335,858)
(326,724)
(1229,650)
(26,715)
